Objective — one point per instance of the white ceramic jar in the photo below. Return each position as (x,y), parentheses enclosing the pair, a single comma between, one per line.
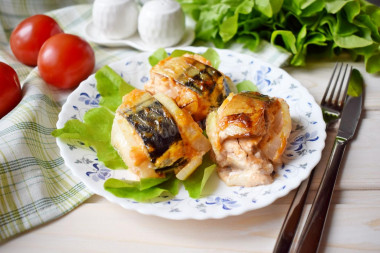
(115,19)
(161,23)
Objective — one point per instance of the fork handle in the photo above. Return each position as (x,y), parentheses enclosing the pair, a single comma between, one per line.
(312,232)
(290,224)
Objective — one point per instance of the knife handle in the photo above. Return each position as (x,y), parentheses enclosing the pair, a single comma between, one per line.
(290,224)
(313,228)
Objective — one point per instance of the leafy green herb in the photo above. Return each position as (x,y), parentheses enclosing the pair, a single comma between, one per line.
(195,183)
(212,56)
(157,56)
(161,54)
(329,117)
(111,87)
(355,86)
(143,190)
(301,27)
(246,85)
(95,130)
(178,53)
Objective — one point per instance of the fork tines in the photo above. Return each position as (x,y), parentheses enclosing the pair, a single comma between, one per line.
(333,96)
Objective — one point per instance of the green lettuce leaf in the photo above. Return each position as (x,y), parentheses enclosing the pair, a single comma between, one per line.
(352,41)
(334,6)
(179,52)
(246,85)
(195,183)
(342,26)
(211,15)
(229,28)
(111,87)
(157,56)
(250,40)
(143,190)
(161,54)
(94,131)
(355,86)
(212,56)
(268,7)
(352,9)
(285,38)
(373,63)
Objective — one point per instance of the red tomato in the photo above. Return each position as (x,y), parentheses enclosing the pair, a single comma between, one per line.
(65,60)
(10,89)
(28,37)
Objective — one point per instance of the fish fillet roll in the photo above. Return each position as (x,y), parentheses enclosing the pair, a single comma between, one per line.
(154,137)
(191,82)
(248,135)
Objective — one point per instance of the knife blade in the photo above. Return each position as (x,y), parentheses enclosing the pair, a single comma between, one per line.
(350,117)
(312,232)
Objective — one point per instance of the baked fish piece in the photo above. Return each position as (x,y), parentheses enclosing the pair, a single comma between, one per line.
(248,135)
(191,82)
(154,137)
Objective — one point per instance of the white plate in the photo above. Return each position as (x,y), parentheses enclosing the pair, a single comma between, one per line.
(303,152)
(134,41)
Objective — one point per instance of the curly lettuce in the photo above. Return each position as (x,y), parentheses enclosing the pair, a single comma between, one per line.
(301,27)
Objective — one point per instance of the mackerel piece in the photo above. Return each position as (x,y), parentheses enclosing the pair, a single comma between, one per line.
(194,85)
(197,76)
(157,129)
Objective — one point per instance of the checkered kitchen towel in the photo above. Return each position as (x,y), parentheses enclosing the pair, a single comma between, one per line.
(35,185)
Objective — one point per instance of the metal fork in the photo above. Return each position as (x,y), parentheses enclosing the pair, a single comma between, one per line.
(332,105)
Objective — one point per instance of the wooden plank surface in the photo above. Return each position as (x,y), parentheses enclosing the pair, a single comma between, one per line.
(106,227)
(360,167)
(315,77)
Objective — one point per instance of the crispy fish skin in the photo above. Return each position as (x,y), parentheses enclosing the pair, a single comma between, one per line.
(152,140)
(243,115)
(248,134)
(155,126)
(191,82)
(196,145)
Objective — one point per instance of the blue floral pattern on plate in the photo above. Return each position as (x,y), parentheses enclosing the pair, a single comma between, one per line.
(303,152)
(92,100)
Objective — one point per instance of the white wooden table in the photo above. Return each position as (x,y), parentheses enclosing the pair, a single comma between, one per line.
(353,223)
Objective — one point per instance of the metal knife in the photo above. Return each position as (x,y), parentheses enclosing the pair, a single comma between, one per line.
(312,232)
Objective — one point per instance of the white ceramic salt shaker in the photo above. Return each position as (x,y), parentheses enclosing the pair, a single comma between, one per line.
(115,19)
(161,23)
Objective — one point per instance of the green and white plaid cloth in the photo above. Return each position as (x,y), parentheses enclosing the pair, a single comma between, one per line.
(35,185)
